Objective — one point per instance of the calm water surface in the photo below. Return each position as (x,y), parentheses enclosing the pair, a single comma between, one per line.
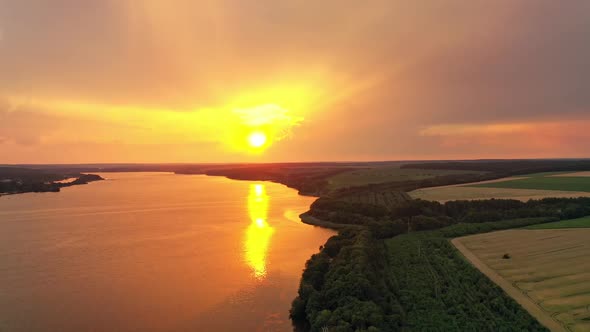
(153,252)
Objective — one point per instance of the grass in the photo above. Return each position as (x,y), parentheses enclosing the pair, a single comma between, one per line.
(580,184)
(385,174)
(572,223)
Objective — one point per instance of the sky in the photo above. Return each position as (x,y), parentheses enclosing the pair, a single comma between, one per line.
(288,80)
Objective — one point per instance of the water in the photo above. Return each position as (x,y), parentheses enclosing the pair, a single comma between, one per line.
(153,252)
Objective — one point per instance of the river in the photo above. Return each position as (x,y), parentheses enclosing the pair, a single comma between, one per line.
(153,252)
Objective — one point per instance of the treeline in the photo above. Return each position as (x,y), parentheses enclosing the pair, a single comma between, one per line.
(410,185)
(420,215)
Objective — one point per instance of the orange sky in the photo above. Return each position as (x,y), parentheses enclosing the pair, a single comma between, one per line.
(192,81)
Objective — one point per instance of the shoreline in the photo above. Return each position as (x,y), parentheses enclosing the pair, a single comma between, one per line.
(299,192)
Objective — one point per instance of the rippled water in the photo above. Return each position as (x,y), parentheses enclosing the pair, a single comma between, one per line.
(153,252)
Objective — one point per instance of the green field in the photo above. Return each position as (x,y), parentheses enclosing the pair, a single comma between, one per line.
(572,223)
(386,174)
(541,182)
(522,187)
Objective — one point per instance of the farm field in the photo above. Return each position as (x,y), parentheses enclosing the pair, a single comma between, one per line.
(555,182)
(386,174)
(567,174)
(547,271)
(387,199)
(441,291)
(572,223)
(444,194)
(523,188)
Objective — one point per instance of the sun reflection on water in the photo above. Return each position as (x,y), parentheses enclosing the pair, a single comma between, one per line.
(259,232)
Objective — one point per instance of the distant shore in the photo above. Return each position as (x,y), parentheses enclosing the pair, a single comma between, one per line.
(20,187)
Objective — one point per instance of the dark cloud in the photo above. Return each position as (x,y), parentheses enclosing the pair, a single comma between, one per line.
(536,66)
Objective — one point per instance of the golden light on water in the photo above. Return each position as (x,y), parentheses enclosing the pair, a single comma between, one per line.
(259,232)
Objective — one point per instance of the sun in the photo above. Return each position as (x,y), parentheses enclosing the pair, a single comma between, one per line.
(257,139)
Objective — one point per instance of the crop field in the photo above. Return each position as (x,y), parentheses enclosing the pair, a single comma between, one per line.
(546,271)
(523,188)
(444,194)
(441,291)
(567,174)
(572,223)
(386,174)
(389,199)
(556,182)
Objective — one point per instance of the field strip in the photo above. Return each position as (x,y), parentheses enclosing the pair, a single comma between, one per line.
(510,178)
(444,194)
(542,316)
(574,174)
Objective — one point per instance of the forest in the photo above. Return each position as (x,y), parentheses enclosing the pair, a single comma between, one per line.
(419,215)
(396,269)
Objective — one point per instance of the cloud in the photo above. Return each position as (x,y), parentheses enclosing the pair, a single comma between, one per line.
(392,79)
(525,139)
(23,127)
(460,129)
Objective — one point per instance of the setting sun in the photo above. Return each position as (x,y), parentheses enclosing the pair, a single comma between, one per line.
(257,139)
(234,165)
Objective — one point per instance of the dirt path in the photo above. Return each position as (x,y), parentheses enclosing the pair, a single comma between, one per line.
(542,316)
